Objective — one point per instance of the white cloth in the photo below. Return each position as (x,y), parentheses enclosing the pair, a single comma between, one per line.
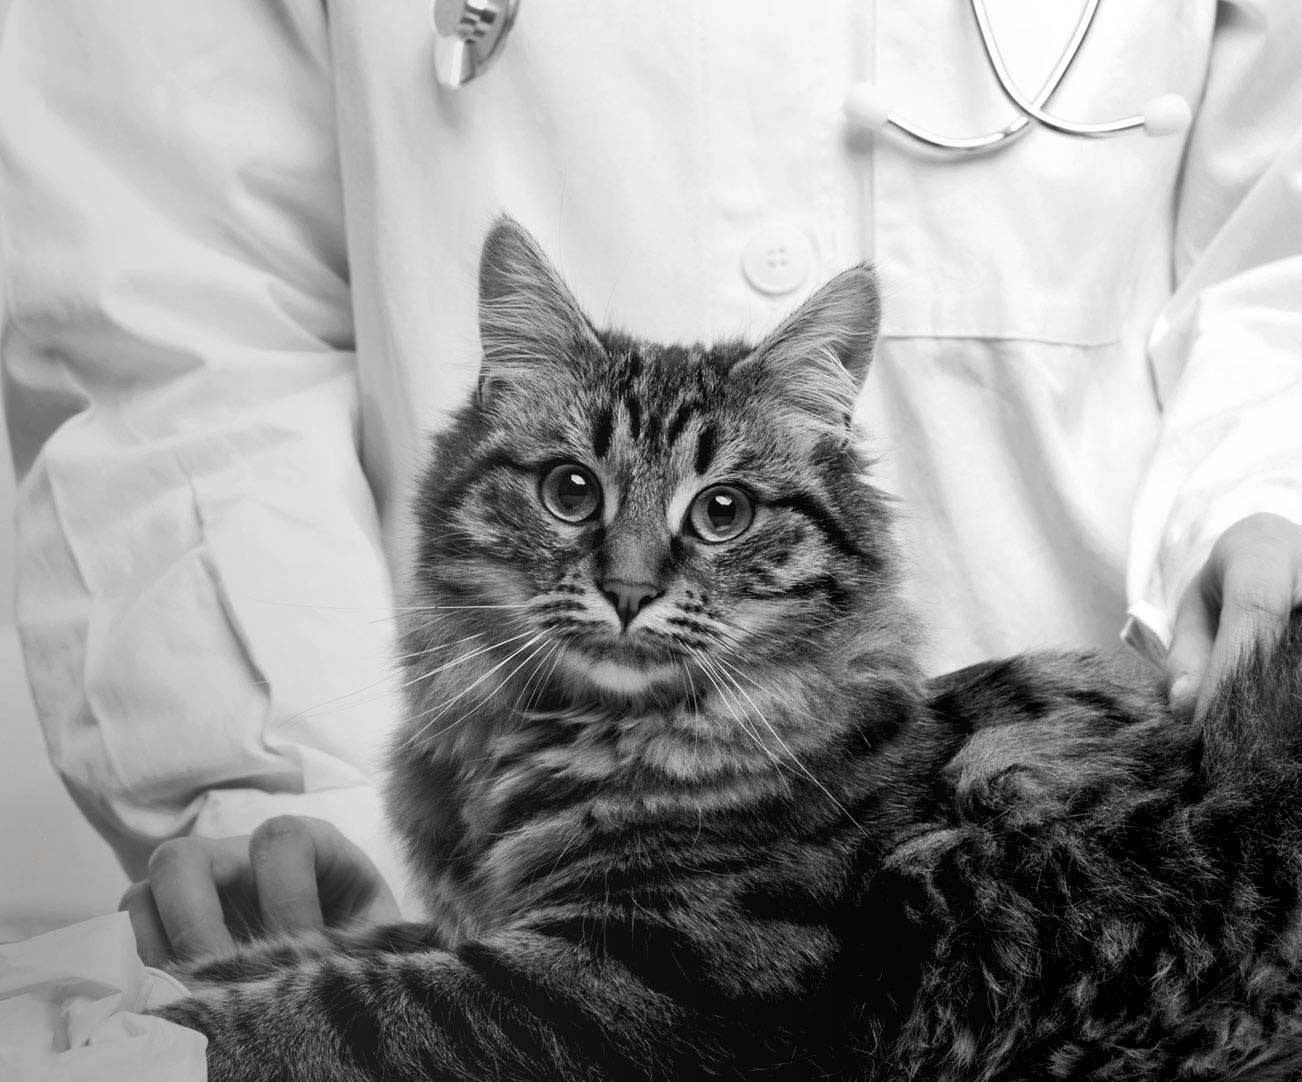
(71,1005)
(240,244)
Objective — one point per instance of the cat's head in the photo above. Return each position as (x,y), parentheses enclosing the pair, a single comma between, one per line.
(649,519)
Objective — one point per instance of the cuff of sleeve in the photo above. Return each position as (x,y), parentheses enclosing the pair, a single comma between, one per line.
(1147,632)
(356,810)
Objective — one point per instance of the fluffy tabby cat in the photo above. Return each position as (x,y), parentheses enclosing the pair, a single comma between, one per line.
(683,806)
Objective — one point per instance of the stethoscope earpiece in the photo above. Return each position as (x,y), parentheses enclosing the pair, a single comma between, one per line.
(865,109)
(1167,115)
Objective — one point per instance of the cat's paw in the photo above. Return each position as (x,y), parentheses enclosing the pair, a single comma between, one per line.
(201,1003)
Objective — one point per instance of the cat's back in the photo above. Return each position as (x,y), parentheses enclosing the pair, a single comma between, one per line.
(1092,900)
(1047,756)
(1045,685)
(1046,733)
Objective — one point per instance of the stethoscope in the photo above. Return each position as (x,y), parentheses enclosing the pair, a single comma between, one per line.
(470,33)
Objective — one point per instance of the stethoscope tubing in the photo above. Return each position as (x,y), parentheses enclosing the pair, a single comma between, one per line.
(1036,109)
(1020,124)
(1165,115)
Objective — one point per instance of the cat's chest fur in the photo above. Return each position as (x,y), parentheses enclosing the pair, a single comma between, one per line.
(530,815)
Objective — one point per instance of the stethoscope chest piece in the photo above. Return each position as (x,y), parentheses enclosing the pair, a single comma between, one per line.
(468,35)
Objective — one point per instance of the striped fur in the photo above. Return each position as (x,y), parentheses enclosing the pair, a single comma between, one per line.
(742,838)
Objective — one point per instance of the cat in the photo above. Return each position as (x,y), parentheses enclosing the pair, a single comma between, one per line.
(684,806)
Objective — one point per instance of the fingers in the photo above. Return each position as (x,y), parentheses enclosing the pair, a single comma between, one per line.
(352,887)
(1240,600)
(293,874)
(309,875)
(282,855)
(185,879)
(1254,612)
(147,924)
(1192,638)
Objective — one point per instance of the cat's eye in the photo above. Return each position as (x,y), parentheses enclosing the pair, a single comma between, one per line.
(570,492)
(720,513)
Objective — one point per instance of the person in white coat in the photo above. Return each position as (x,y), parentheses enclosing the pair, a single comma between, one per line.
(239,243)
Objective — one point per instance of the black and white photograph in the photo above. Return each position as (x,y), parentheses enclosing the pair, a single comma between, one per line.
(651,542)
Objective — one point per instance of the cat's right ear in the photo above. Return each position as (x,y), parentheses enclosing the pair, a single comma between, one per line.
(528,320)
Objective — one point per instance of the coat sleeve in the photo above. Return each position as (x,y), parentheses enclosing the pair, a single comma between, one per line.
(202,599)
(1226,352)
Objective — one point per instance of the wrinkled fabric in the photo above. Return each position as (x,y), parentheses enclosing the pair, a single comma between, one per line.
(71,1009)
(240,248)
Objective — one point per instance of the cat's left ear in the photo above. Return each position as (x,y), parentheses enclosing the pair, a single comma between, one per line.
(818,357)
(528,320)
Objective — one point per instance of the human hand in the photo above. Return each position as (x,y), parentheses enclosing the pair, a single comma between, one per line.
(1242,597)
(292,874)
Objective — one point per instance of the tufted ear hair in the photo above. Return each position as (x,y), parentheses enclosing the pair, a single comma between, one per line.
(818,357)
(528,319)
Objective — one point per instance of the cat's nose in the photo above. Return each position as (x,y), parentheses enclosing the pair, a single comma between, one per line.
(629,598)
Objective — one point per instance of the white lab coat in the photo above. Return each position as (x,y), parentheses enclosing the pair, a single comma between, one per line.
(240,242)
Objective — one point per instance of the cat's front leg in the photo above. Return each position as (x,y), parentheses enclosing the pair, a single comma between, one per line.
(518,1005)
(252,961)
(256,1031)
(267,957)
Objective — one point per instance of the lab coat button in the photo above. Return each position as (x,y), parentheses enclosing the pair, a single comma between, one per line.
(777,259)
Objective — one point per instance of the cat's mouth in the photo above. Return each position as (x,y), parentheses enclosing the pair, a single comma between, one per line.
(599,642)
(625,649)
(624,664)
(624,678)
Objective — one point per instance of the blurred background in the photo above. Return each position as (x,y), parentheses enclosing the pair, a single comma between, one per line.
(56,869)
(6,477)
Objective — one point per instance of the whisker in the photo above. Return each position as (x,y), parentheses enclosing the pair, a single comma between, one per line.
(533,682)
(466,691)
(387,609)
(461,608)
(696,734)
(436,647)
(532,675)
(309,605)
(703,662)
(348,701)
(724,670)
(558,654)
(466,657)
(691,684)
(311,711)
(489,694)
